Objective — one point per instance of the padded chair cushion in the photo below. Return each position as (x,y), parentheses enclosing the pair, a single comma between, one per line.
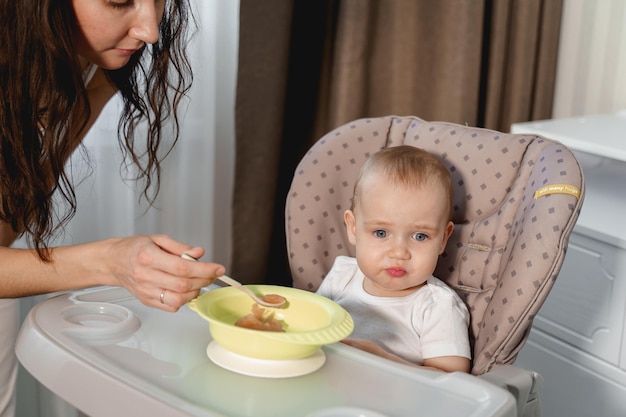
(507,247)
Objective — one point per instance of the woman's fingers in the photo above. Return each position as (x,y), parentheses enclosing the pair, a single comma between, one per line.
(181,281)
(155,273)
(176,248)
(173,301)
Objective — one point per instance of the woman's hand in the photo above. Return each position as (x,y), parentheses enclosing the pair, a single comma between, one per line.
(151,268)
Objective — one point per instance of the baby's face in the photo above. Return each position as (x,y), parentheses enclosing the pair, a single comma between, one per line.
(399,234)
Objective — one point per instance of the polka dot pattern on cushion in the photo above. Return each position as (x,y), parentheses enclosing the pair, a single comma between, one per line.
(507,247)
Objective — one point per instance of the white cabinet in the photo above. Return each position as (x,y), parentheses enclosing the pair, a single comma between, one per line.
(578,339)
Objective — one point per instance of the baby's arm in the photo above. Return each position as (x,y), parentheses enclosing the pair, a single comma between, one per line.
(372,347)
(441,363)
(448,363)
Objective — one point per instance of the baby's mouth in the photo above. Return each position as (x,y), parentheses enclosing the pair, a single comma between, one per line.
(396,272)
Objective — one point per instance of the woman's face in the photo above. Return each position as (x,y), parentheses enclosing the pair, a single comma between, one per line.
(111,31)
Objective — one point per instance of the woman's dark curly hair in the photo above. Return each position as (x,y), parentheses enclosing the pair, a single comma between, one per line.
(41,85)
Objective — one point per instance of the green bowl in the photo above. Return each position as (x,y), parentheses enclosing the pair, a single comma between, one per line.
(309,320)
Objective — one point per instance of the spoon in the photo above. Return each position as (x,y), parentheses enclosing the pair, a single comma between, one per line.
(268,300)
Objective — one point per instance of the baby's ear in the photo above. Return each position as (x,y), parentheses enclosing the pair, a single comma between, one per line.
(350,221)
(446,235)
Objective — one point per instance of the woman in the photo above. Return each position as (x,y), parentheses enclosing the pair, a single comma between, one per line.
(60,62)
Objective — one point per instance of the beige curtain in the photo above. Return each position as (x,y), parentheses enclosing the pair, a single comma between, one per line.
(522,61)
(308,67)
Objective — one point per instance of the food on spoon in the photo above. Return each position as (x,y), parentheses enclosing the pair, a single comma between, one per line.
(257,321)
(274,299)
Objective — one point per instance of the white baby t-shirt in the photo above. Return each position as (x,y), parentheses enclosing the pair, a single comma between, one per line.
(431,322)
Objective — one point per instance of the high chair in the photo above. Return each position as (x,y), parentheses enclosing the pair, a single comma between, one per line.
(517,198)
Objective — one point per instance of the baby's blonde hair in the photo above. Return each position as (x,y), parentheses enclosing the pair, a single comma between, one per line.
(408,166)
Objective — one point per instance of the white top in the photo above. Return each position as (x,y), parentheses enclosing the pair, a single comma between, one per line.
(431,322)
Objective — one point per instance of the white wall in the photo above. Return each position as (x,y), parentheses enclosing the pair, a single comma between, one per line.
(591,70)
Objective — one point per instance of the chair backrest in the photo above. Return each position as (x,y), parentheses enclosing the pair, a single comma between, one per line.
(517,198)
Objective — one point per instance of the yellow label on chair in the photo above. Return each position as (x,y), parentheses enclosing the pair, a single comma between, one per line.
(558,189)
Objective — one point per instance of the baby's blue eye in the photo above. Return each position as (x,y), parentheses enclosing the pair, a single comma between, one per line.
(420,237)
(380,234)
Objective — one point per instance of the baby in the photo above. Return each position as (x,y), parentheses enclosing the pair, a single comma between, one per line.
(400,223)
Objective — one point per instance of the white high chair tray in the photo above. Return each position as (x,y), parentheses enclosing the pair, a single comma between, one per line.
(107,354)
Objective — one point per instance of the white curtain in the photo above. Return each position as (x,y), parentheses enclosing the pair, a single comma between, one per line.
(592,59)
(194,202)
